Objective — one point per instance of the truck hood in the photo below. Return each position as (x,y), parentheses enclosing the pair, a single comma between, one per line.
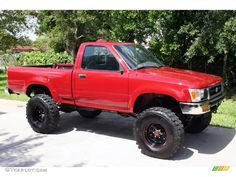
(191,79)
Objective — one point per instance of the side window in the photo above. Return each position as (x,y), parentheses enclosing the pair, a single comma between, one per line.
(99,58)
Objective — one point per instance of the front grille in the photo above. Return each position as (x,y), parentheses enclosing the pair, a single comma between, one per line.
(216,101)
(216,90)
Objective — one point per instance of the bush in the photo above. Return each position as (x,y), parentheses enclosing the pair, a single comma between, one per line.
(33,58)
(42,58)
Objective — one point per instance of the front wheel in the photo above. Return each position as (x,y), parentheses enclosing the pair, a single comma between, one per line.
(159,132)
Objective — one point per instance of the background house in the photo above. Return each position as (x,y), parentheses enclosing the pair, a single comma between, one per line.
(18,49)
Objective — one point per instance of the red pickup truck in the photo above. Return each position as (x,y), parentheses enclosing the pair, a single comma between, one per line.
(124,78)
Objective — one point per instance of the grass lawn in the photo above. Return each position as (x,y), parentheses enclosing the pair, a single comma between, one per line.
(226,113)
(225,116)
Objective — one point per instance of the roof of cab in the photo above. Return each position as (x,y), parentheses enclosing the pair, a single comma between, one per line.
(102,42)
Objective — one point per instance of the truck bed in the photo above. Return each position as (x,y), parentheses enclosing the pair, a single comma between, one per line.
(53,76)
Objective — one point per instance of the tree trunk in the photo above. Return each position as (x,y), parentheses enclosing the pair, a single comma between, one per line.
(190,64)
(74,53)
(205,66)
(75,49)
(71,47)
(225,75)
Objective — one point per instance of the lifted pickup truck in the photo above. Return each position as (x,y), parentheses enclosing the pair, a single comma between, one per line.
(127,79)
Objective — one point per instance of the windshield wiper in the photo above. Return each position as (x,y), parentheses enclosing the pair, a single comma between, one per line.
(142,67)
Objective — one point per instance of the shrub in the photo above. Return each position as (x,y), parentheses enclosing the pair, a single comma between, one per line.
(33,58)
(42,58)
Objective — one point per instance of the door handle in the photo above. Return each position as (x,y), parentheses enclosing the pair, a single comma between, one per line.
(82,76)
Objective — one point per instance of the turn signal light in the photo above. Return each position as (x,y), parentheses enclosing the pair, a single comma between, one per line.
(205,108)
(194,95)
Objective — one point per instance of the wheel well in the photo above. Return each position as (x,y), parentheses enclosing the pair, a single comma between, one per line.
(148,100)
(37,89)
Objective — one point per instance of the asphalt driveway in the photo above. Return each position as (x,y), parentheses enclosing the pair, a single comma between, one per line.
(103,141)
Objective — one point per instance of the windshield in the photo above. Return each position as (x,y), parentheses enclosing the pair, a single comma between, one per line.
(137,57)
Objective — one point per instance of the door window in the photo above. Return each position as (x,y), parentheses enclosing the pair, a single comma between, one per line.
(99,58)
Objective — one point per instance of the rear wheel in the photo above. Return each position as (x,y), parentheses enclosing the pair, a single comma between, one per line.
(198,124)
(89,114)
(159,132)
(42,114)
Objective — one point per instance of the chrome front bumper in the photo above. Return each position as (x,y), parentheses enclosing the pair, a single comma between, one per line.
(200,108)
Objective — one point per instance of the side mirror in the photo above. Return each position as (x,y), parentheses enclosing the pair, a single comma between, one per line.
(121,71)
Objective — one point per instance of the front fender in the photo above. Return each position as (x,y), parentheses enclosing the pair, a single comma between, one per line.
(180,94)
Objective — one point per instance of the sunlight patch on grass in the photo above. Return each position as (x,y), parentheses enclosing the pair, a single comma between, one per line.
(226,114)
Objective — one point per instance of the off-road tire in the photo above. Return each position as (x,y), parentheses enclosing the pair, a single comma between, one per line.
(172,126)
(198,124)
(50,115)
(89,114)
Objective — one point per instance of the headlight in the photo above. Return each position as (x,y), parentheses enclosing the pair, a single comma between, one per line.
(198,95)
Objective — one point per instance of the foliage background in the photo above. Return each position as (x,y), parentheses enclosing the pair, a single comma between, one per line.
(197,40)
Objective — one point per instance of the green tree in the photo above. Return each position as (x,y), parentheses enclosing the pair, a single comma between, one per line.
(227,45)
(70,27)
(12,23)
(128,26)
(42,43)
(195,40)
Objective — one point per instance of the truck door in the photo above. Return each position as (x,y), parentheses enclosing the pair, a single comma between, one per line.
(99,81)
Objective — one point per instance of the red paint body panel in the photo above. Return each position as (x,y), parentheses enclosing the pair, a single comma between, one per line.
(108,90)
(58,81)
